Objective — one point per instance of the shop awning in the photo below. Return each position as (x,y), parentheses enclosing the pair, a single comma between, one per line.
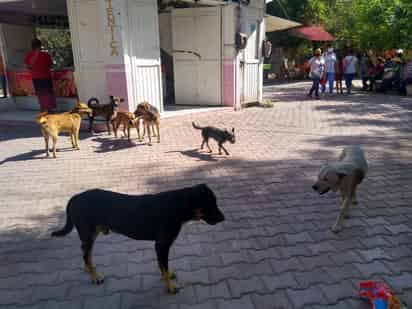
(34,7)
(274,23)
(313,33)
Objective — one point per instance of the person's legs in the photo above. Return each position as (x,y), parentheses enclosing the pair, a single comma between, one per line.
(312,88)
(316,85)
(3,85)
(348,82)
(351,77)
(323,88)
(346,76)
(364,83)
(45,94)
(331,77)
(371,83)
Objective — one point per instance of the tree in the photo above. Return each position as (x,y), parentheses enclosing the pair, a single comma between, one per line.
(375,24)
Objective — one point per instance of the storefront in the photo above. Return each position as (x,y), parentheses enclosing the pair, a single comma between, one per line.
(211,51)
(16,34)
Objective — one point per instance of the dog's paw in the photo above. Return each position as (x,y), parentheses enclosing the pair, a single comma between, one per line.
(97,279)
(336,229)
(172,275)
(172,289)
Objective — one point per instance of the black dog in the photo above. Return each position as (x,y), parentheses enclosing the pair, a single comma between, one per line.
(220,136)
(158,217)
(108,111)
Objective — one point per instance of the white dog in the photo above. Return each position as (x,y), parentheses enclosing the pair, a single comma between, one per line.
(344,175)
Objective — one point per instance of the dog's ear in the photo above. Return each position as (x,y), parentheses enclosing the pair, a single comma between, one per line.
(121,100)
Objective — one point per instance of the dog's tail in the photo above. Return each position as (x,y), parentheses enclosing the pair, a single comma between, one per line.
(68,226)
(196,127)
(93,102)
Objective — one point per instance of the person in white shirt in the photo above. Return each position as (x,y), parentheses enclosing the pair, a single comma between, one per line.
(317,68)
(349,68)
(330,63)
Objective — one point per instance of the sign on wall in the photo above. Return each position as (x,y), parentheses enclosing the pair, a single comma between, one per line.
(111,23)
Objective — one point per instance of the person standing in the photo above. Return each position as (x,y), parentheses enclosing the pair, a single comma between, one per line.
(330,66)
(349,68)
(317,68)
(364,70)
(40,63)
(339,74)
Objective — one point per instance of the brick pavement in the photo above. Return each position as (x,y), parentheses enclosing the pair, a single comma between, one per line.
(275,250)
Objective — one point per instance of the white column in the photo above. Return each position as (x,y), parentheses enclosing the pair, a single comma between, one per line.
(98,48)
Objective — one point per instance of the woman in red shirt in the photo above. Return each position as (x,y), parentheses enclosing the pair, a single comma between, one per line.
(40,62)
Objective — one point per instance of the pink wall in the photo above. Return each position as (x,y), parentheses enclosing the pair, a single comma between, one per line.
(229,88)
(116,84)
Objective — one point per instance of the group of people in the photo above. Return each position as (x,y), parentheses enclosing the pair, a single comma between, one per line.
(326,68)
(389,69)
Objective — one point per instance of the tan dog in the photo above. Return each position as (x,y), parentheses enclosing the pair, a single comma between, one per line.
(127,120)
(345,176)
(81,109)
(151,118)
(52,124)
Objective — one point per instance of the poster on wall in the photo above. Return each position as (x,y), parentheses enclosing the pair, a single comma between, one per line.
(21,84)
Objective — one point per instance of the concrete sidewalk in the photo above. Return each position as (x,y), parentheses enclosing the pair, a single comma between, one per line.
(275,250)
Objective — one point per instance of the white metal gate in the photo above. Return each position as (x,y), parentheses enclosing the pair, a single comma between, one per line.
(143,53)
(250,84)
(198,81)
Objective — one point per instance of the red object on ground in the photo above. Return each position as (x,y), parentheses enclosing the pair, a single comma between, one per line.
(313,33)
(379,295)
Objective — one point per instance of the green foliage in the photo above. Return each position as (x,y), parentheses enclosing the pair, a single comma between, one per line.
(58,44)
(375,24)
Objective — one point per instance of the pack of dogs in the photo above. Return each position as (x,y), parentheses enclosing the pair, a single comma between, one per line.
(148,115)
(160,217)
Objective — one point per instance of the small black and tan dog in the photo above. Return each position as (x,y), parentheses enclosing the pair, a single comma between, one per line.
(157,217)
(219,135)
(107,111)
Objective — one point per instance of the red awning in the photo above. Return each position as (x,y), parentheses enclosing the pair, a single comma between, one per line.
(313,33)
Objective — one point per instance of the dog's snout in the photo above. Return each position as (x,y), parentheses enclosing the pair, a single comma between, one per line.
(315,187)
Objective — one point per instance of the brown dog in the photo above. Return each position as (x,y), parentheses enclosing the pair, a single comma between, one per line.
(127,120)
(52,124)
(151,118)
(108,111)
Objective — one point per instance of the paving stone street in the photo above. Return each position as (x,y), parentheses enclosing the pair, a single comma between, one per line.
(275,249)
